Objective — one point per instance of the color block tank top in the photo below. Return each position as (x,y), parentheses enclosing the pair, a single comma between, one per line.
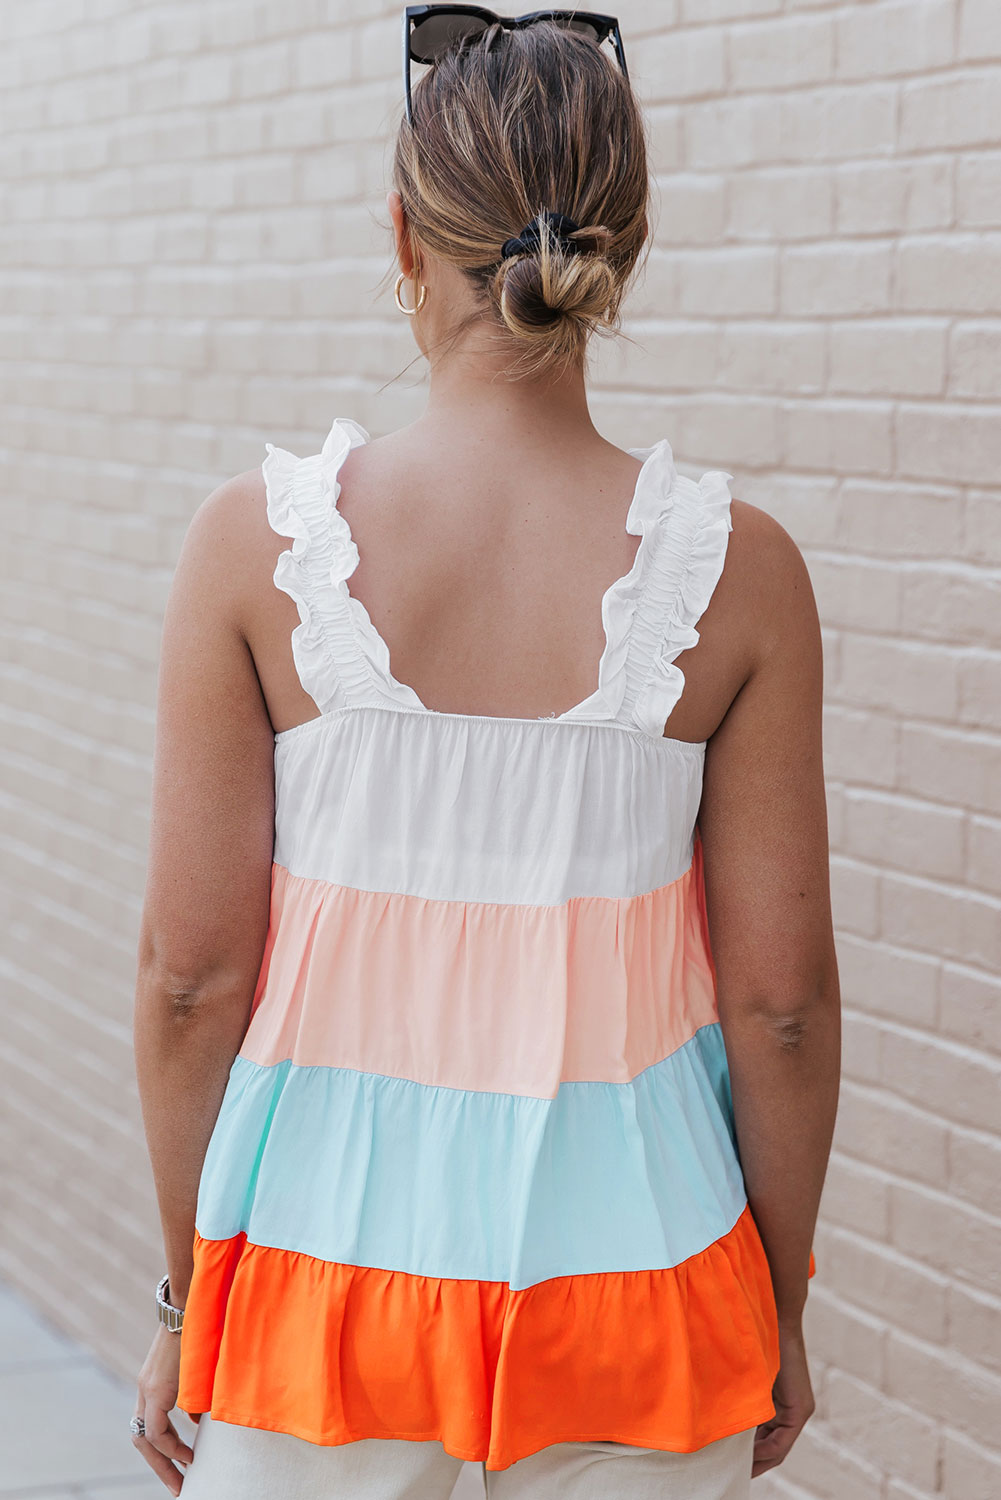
(474,1176)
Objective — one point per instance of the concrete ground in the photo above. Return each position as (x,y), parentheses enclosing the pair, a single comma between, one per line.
(64,1420)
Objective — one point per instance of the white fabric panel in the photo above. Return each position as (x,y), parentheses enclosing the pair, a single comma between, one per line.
(458,808)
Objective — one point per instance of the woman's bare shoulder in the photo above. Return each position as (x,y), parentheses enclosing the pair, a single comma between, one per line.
(766,575)
(230,550)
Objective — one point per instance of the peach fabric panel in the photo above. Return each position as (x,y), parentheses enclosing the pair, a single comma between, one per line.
(502,998)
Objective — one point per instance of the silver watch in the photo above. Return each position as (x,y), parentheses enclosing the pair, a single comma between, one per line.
(170,1317)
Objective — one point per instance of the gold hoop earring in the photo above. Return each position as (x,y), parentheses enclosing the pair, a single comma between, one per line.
(399,300)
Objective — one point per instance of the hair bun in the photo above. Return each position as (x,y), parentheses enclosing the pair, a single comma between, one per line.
(537,290)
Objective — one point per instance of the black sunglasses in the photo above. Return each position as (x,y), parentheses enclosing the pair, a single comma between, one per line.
(430,30)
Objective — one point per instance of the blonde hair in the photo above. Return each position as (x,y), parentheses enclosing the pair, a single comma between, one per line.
(506,126)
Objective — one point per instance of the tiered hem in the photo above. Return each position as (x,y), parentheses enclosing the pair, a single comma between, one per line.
(669,1358)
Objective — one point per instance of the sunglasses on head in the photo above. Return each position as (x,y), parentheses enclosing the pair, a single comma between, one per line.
(429,31)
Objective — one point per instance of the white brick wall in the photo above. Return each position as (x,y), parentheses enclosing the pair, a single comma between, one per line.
(192,236)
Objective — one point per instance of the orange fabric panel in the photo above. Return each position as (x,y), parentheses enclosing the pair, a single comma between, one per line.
(669,1358)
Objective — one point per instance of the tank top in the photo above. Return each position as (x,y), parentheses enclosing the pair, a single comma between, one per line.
(474,1176)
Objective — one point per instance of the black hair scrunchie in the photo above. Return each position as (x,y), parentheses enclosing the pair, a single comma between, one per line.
(558,226)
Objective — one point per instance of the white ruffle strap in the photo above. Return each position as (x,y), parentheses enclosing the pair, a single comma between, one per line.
(690,558)
(649,614)
(339,656)
(622,605)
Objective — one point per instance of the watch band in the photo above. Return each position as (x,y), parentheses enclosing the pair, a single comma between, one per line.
(171,1317)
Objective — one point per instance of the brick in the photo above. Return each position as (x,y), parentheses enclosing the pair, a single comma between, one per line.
(944,111)
(854,897)
(830,280)
(951,603)
(975,1160)
(733,132)
(910,36)
(856,593)
(975,358)
(949,273)
(966,928)
(682,64)
(861,1038)
(785,203)
(852,435)
(784,53)
(984,861)
(886,1432)
(293,123)
(980,690)
(888,981)
(945,1386)
(889,1132)
(264,71)
(729,430)
(854,1341)
(725,10)
(729,282)
(669,353)
(974,1325)
(944,1076)
(666,138)
(958,444)
(978,190)
(692,209)
(979,33)
(969,1469)
(321,60)
(898,1489)
(825,1467)
(651,16)
(860,746)
(944,763)
(882,672)
(970,1006)
(838,123)
(858,1197)
(884,356)
(805,504)
(793,353)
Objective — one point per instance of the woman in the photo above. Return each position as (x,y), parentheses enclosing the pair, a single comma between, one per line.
(487,1018)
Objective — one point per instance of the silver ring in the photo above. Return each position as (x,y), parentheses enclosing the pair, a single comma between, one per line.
(137,1427)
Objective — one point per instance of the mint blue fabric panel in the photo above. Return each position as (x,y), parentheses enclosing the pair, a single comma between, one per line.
(385,1172)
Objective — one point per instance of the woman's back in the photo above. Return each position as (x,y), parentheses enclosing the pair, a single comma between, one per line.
(484,568)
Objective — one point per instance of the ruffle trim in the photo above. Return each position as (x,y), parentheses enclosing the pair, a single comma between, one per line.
(649,615)
(672,1358)
(622,600)
(340,657)
(688,566)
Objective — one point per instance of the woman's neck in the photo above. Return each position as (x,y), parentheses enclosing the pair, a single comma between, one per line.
(470,395)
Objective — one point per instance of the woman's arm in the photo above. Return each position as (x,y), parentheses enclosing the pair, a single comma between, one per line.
(205,913)
(763,822)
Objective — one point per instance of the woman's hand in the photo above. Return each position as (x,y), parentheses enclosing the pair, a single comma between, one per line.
(794,1403)
(158,1382)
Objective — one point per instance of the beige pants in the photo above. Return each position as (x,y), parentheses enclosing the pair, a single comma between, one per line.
(245,1463)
